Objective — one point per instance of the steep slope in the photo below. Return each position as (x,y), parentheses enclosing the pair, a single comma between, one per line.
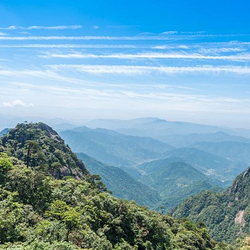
(174,180)
(38,145)
(212,165)
(226,214)
(113,148)
(39,211)
(120,183)
(236,151)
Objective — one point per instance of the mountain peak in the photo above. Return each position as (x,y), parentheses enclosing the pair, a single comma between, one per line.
(38,145)
(241,185)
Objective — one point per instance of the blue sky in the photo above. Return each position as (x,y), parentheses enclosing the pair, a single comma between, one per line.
(178,60)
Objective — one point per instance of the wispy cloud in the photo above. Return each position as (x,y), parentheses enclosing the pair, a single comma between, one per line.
(169,33)
(237,57)
(216,50)
(117,38)
(16,103)
(110,38)
(163,47)
(142,70)
(37,27)
(75,46)
(162,100)
(48,75)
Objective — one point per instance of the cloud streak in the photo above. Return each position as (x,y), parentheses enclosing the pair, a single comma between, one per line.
(114,38)
(37,27)
(144,70)
(237,57)
(74,46)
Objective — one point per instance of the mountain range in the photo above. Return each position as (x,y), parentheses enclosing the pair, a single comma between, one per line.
(49,200)
(159,128)
(114,148)
(177,140)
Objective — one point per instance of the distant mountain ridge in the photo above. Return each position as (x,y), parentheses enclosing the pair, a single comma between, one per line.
(189,140)
(237,151)
(113,148)
(155,127)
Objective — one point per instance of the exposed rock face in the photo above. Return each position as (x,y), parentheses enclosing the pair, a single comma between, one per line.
(239,219)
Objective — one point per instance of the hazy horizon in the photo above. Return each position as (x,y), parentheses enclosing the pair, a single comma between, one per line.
(12,120)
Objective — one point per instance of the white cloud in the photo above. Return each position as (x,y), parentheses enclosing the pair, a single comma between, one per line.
(95,27)
(109,38)
(220,50)
(12,27)
(62,27)
(16,103)
(113,38)
(61,72)
(237,57)
(169,32)
(74,46)
(142,70)
(163,47)
(36,27)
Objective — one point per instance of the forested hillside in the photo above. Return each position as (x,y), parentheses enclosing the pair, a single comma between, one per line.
(122,184)
(214,166)
(226,214)
(174,180)
(38,145)
(44,209)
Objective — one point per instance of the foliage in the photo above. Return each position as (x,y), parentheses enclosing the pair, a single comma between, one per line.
(174,180)
(38,145)
(120,183)
(226,214)
(38,211)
